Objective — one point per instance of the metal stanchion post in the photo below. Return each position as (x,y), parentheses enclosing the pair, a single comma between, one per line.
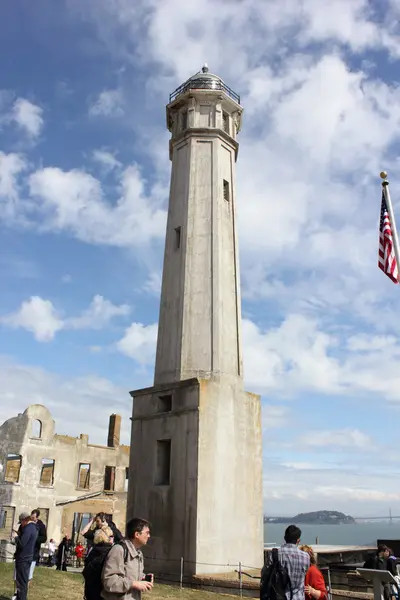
(240,580)
(181,580)
(329,584)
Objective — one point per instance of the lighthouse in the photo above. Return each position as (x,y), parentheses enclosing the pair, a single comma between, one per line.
(196,455)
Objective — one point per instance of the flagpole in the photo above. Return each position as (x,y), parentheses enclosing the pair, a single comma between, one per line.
(385,188)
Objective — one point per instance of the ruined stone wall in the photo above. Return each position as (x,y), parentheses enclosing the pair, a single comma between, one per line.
(60,487)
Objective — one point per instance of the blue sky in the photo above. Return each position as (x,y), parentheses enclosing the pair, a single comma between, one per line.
(84,176)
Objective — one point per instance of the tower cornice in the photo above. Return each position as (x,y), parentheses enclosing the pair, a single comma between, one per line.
(205,133)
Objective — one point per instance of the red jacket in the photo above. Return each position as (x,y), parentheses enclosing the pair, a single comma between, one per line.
(79,551)
(315,578)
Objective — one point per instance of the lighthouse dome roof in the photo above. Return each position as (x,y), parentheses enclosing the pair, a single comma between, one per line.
(207,81)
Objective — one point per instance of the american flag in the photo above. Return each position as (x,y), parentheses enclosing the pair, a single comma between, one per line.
(386,256)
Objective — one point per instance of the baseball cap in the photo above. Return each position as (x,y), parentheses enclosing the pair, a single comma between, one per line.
(23,516)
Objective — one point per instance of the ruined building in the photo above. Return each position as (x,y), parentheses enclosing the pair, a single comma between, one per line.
(66,477)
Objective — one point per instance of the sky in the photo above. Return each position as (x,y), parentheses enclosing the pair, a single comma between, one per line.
(84,179)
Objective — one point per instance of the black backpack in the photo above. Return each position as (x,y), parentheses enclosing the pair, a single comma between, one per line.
(275,580)
(93,569)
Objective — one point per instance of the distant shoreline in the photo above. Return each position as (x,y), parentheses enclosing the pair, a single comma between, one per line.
(319,517)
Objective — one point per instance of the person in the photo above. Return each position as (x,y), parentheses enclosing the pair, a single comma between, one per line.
(62,553)
(295,561)
(98,522)
(25,542)
(79,552)
(315,588)
(51,547)
(102,542)
(381,562)
(122,576)
(41,539)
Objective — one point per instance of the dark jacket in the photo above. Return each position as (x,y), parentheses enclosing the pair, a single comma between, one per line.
(41,539)
(118,537)
(25,542)
(62,549)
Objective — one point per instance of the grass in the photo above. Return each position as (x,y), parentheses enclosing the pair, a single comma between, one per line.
(48,584)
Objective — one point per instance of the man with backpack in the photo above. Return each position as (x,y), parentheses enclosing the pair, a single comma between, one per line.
(122,576)
(283,575)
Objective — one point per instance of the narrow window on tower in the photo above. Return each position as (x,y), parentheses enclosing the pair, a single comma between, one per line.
(177,237)
(225,122)
(184,119)
(163,465)
(226,191)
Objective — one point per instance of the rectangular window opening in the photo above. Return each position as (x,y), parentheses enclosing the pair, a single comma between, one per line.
(163,466)
(13,468)
(184,119)
(7,515)
(177,237)
(226,190)
(126,479)
(225,122)
(84,476)
(165,403)
(109,479)
(47,472)
(44,515)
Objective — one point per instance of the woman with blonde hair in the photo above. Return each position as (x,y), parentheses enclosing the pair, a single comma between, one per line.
(315,588)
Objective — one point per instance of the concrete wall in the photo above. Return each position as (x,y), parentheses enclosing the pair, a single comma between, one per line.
(230,511)
(211,512)
(67,452)
(171,509)
(199,322)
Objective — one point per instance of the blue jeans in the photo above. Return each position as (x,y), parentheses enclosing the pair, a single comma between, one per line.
(22,578)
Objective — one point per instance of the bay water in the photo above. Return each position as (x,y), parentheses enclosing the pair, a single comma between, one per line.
(358,534)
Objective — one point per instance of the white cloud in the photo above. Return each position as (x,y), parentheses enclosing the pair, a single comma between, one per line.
(106,159)
(153,283)
(27,116)
(94,399)
(351,438)
(139,343)
(41,318)
(74,201)
(110,103)
(99,313)
(11,166)
(274,417)
(38,316)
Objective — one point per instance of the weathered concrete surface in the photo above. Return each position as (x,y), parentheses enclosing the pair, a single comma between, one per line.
(197,419)
(200,319)
(68,453)
(211,512)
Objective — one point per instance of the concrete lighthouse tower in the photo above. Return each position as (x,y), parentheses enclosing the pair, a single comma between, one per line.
(196,459)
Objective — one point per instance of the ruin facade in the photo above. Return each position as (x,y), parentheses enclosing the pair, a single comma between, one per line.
(67,478)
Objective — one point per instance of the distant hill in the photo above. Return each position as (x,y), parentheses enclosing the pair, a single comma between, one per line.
(318,517)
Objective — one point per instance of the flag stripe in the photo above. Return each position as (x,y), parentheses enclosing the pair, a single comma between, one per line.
(386,255)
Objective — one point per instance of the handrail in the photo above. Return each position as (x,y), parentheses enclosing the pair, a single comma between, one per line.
(204,83)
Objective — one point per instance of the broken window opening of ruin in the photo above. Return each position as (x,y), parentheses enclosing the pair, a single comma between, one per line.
(163,466)
(7,515)
(13,468)
(165,403)
(44,515)
(126,479)
(84,476)
(47,472)
(109,479)
(36,429)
